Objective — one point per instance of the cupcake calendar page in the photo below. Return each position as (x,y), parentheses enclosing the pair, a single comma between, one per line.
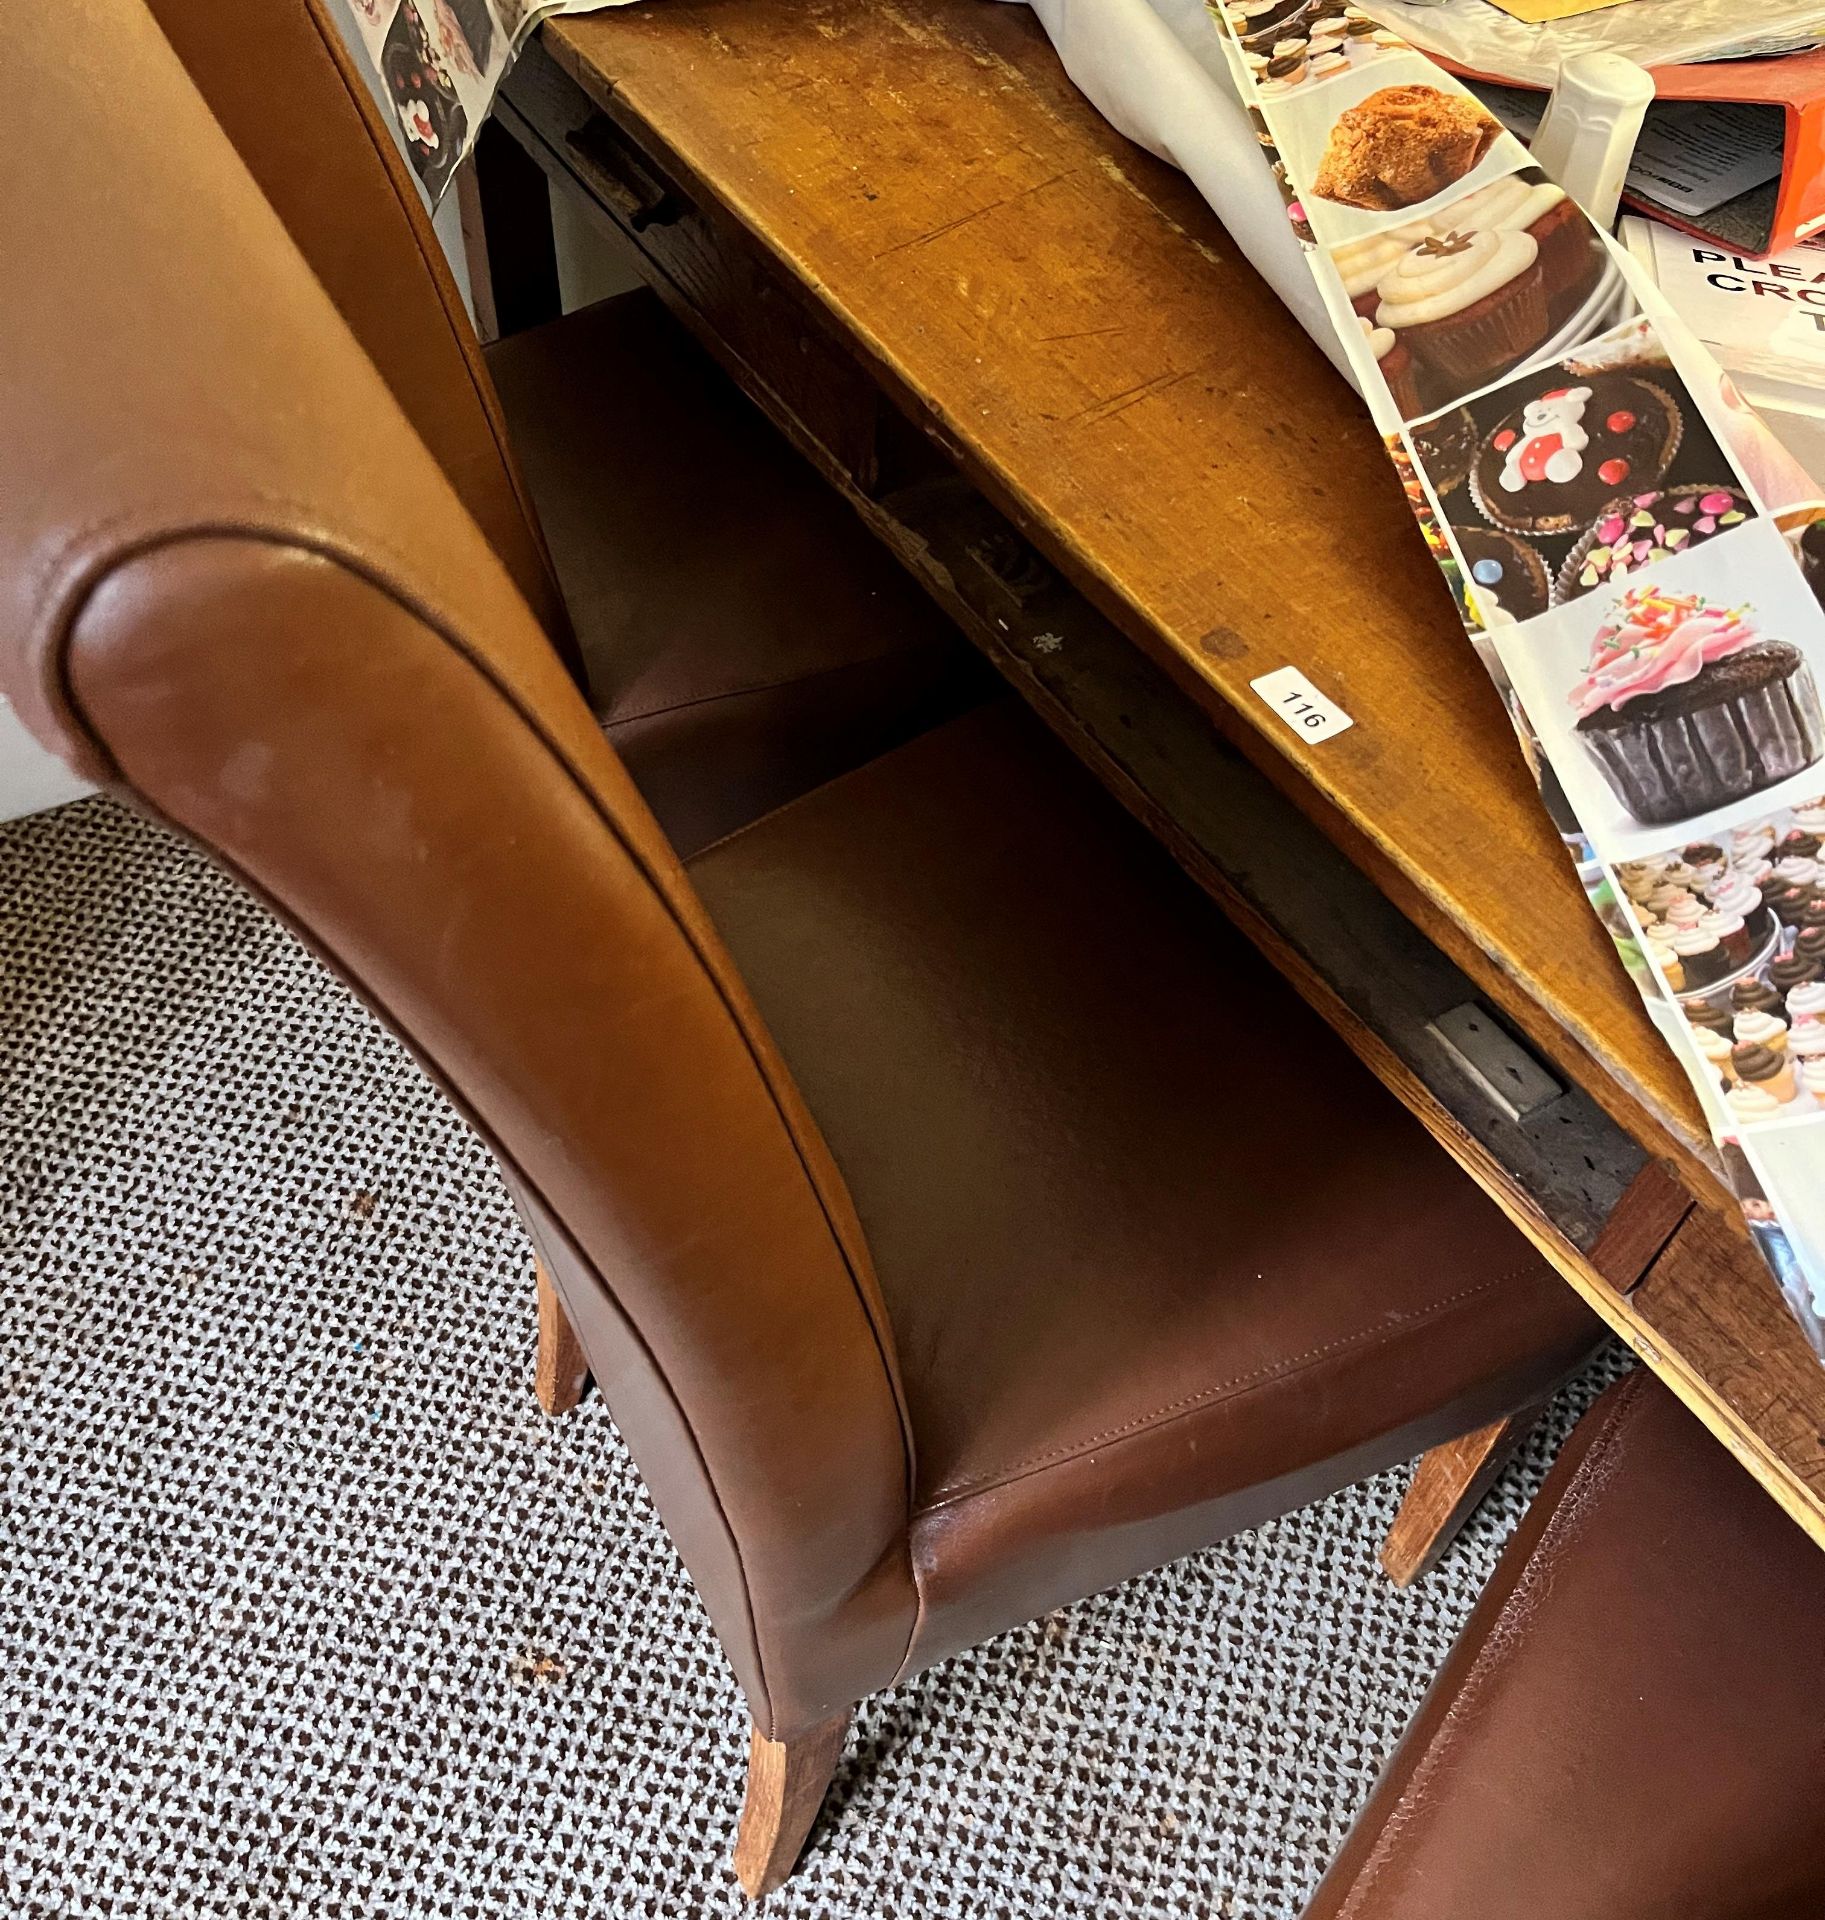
(1636,559)
(439,63)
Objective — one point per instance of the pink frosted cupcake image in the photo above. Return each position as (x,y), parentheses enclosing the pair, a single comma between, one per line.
(1686,706)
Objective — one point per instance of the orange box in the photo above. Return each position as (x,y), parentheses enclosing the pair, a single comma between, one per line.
(1765,219)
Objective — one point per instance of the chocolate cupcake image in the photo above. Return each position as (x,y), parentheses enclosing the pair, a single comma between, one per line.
(1742,897)
(1755,996)
(1637,530)
(430,115)
(1789,904)
(1470,303)
(1446,446)
(1402,145)
(1752,1064)
(1708,1014)
(1790,971)
(1250,17)
(1702,960)
(1567,451)
(1685,706)
(1507,577)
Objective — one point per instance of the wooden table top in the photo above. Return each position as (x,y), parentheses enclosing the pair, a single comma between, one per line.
(1072,320)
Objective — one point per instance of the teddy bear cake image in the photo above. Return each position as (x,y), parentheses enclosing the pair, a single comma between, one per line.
(1686,705)
(1556,463)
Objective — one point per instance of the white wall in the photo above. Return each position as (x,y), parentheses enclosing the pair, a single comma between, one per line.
(30,779)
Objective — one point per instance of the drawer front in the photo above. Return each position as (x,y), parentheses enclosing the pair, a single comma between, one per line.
(709,272)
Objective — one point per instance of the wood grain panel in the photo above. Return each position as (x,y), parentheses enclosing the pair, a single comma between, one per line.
(1065,316)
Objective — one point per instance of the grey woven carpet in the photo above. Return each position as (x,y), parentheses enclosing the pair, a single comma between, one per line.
(305,1609)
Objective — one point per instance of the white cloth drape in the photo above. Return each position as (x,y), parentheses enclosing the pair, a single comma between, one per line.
(1155,70)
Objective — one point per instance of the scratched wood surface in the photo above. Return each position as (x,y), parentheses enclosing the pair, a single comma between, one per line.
(1070,320)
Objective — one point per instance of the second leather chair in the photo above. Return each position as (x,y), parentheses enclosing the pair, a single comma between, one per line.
(1629,1726)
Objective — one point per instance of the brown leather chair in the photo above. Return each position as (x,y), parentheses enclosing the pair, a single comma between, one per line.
(738,654)
(1632,1725)
(956,1214)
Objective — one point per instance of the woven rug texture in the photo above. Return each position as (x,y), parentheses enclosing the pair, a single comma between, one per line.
(306,1609)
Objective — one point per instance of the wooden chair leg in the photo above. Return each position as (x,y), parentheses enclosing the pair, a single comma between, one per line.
(562,1372)
(786,1784)
(1447,1485)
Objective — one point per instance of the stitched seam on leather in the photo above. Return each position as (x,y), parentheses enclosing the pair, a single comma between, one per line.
(786,806)
(433,1072)
(619,719)
(85,572)
(1566,1520)
(1234,1388)
(80,587)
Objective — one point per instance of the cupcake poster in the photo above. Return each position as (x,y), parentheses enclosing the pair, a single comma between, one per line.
(1733,927)
(1683,697)
(439,63)
(1506,275)
(1633,554)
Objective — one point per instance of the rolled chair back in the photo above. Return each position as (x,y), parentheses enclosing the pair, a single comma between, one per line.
(237,588)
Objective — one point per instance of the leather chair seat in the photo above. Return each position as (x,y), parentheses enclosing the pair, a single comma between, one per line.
(745,638)
(1161,1257)
(1632,1725)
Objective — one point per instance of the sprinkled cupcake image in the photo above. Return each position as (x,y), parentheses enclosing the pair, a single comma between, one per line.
(1638,530)
(1686,705)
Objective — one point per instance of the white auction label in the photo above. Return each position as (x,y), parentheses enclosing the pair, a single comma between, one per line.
(1300,704)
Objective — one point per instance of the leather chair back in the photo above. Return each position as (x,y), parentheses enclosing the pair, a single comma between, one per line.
(283,85)
(235,586)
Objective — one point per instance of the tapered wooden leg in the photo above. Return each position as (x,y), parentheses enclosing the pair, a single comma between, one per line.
(1447,1484)
(786,1783)
(562,1372)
